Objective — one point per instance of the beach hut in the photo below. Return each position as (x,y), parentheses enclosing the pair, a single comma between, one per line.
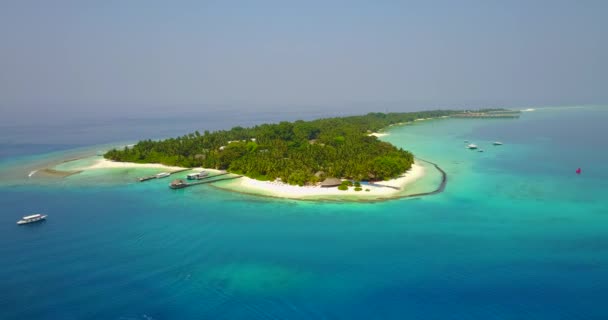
(330,182)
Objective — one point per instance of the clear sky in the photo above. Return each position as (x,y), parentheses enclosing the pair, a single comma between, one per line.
(147,55)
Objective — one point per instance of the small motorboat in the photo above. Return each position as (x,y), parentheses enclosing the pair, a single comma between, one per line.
(472,146)
(32,218)
(497,143)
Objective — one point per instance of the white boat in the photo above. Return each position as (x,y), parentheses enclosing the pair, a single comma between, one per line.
(472,146)
(198,175)
(32,218)
(497,143)
(162,175)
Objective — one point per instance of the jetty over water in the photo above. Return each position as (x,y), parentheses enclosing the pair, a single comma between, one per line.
(142,179)
(180,184)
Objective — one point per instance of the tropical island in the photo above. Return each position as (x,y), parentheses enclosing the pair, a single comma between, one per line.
(300,153)
(292,151)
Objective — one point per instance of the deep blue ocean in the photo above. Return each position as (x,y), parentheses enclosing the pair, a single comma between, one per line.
(516,234)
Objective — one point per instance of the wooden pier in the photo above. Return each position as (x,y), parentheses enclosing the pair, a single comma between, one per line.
(182,184)
(142,179)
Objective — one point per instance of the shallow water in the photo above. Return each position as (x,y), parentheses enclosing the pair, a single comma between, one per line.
(516,235)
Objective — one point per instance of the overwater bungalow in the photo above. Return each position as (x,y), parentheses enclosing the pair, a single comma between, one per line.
(178,184)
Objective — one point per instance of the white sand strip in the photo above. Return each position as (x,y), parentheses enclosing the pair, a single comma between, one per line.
(378,134)
(108,164)
(283,190)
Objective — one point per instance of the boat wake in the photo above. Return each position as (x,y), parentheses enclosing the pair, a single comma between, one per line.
(32,173)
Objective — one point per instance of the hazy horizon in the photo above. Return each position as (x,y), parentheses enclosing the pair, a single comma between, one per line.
(158,58)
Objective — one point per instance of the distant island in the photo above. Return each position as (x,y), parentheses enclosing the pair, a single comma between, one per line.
(298,153)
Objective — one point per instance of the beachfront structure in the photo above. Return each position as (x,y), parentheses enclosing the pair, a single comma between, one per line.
(232,141)
(330,182)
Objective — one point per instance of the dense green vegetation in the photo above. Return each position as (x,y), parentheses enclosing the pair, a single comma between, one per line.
(297,152)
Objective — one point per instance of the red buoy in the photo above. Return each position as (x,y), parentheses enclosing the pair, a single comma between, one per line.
(578,171)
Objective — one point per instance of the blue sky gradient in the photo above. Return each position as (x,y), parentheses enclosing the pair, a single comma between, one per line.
(143,56)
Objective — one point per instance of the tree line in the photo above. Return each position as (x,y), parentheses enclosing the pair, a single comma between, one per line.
(299,153)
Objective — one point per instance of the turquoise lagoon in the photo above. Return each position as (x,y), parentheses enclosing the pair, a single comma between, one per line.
(516,234)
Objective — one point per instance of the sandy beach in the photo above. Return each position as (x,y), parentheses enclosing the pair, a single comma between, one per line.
(108,164)
(378,134)
(75,166)
(379,189)
(283,190)
(52,173)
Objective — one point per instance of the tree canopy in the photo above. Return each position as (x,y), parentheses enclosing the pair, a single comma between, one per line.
(299,152)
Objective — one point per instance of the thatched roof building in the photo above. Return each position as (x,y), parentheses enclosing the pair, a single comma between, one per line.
(177,182)
(331,182)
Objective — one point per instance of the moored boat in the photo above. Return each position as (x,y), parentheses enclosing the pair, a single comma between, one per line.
(472,146)
(32,218)
(198,175)
(162,175)
(497,143)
